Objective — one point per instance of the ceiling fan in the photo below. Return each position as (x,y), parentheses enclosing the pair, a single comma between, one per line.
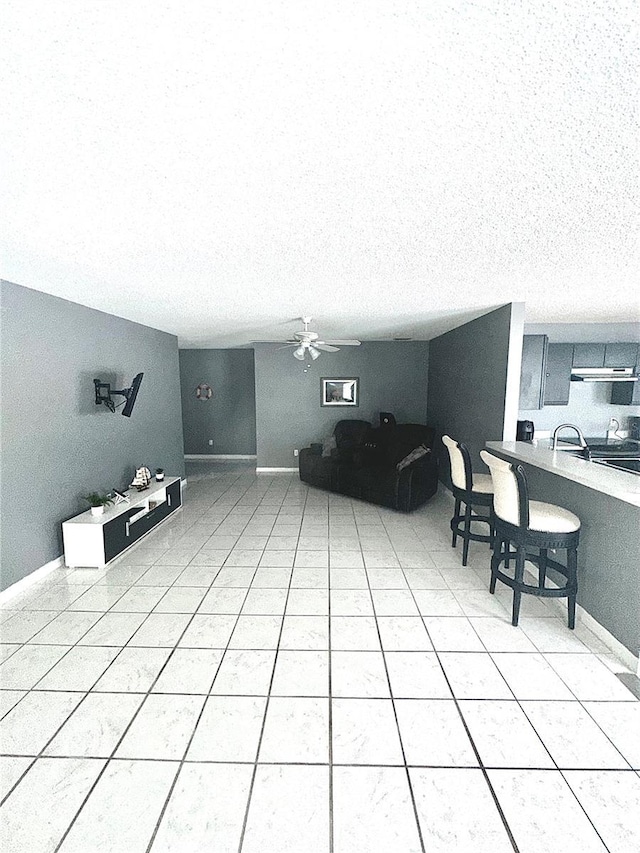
(308,345)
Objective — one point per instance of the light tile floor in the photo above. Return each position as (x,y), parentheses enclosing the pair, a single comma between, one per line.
(282,670)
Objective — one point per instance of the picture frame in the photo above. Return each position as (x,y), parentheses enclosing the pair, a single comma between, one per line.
(340,391)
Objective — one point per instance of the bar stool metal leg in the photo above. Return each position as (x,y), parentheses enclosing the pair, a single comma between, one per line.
(517,591)
(454,524)
(542,573)
(572,568)
(467,531)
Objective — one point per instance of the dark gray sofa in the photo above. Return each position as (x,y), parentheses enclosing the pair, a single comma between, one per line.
(364,464)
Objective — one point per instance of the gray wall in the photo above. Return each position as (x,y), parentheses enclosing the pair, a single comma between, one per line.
(229,417)
(468,369)
(393,377)
(57,445)
(589,407)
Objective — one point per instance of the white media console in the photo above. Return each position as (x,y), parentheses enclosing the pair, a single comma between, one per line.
(93,541)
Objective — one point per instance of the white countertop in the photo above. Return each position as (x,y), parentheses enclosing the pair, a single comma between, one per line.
(619,484)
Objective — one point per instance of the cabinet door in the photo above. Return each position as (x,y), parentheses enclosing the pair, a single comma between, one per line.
(115,537)
(174,497)
(588,355)
(625,393)
(621,355)
(534,349)
(558,374)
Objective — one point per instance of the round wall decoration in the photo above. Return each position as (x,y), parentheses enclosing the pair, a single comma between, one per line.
(204,391)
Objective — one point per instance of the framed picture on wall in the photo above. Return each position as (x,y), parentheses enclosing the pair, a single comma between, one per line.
(339,392)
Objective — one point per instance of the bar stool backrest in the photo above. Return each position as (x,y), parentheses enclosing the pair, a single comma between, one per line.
(460,460)
(510,494)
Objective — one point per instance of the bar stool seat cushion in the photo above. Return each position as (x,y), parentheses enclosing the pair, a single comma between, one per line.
(551,518)
(482,483)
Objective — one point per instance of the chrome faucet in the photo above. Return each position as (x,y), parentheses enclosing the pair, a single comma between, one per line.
(583,443)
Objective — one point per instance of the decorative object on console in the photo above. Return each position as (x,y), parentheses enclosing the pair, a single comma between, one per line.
(339,392)
(159,474)
(104,394)
(120,497)
(98,502)
(142,478)
(204,391)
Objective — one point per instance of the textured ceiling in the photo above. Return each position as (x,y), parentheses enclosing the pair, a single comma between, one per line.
(218,169)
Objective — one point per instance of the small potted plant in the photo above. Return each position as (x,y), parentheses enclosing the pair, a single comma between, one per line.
(98,502)
(159,474)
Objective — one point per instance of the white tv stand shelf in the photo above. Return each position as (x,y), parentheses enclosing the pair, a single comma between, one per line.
(93,540)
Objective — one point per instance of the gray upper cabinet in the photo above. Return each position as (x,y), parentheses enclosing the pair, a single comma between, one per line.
(534,350)
(625,393)
(557,376)
(588,355)
(621,355)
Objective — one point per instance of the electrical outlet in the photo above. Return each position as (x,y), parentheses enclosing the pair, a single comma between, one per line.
(210,442)
(295,452)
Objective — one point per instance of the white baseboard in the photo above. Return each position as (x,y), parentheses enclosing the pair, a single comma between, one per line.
(35,576)
(585,618)
(622,652)
(275,470)
(221,457)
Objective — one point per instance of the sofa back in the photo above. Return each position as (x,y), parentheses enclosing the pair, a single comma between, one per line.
(406,437)
(351,434)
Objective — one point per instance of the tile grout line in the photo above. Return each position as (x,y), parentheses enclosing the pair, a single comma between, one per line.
(122,736)
(395,715)
(195,727)
(472,742)
(264,721)
(71,712)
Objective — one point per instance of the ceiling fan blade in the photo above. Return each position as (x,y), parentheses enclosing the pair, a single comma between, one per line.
(325,347)
(345,343)
(293,344)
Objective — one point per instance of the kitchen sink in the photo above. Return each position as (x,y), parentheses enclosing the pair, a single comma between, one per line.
(624,448)
(630,465)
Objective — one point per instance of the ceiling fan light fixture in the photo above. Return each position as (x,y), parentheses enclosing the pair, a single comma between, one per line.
(299,353)
(314,353)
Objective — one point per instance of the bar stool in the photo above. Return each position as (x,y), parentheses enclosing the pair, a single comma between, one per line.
(471,490)
(530,524)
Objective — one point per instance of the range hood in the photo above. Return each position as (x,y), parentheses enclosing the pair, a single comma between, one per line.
(603,374)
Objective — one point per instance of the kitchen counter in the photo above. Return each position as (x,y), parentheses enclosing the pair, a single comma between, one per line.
(606,501)
(618,484)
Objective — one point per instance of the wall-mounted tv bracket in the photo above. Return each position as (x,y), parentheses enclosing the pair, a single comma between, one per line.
(104,394)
